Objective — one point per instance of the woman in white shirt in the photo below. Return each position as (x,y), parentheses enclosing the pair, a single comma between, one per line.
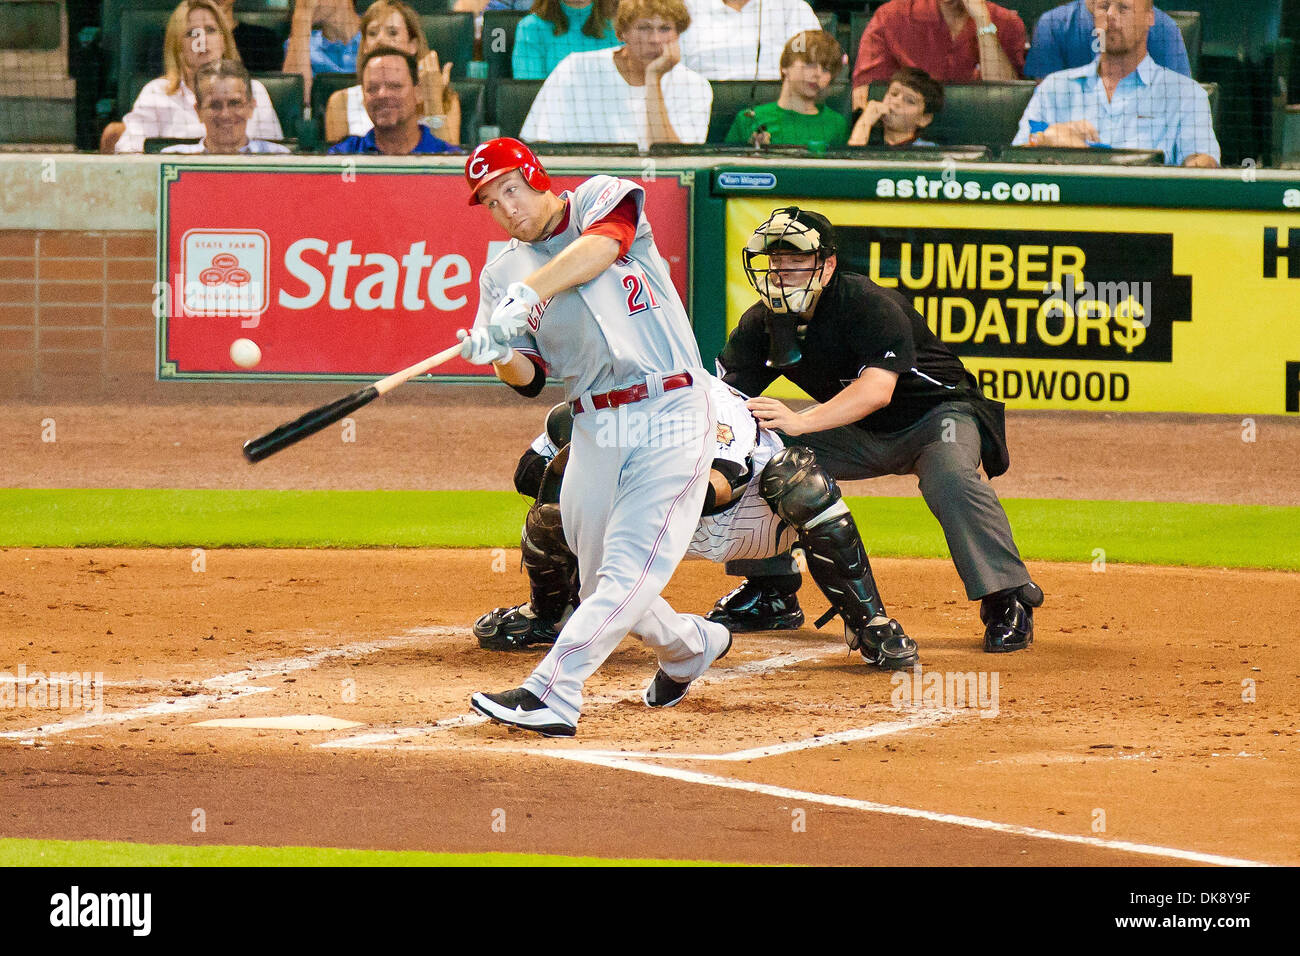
(638,93)
(396,24)
(196,36)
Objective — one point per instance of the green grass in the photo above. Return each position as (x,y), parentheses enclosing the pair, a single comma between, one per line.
(1139,532)
(100,853)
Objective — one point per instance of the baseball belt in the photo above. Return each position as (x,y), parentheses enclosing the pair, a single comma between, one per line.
(626,396)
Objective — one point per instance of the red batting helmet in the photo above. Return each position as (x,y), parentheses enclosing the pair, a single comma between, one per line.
(498,156)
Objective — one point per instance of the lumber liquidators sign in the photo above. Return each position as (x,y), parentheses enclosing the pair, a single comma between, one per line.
(336,274)
(1070,307)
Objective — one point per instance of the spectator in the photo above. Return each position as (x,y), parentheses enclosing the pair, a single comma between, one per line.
(954,41)
(478,6)
(1123,99)
(742,39)
(196,36)
(223,94)
(324,37)
(259,47)
(389,79)
(1066,37)
(909,106)
(394,23)
(557,28)
(809,64)
(639,93)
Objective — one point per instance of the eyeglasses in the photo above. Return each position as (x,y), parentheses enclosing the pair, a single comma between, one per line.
(199,33)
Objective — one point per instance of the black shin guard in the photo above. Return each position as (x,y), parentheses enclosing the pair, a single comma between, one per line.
(551,566)
(838,563)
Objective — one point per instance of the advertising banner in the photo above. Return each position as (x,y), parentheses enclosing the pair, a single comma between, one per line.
(337,275)
(1078,307)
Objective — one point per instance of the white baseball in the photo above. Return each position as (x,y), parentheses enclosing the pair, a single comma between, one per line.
(245,353)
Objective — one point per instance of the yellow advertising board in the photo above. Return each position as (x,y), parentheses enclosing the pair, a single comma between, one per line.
(1051,306)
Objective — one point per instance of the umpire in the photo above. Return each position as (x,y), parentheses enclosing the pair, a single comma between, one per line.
(893,400)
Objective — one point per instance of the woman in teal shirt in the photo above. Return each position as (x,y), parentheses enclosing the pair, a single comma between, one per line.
(556,28)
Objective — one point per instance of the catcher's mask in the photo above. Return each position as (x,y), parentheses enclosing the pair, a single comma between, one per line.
(801,241)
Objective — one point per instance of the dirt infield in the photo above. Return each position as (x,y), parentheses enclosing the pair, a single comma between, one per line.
(1108,730)
(1152,700)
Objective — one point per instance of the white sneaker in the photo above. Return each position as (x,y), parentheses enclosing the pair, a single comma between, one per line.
(523,709)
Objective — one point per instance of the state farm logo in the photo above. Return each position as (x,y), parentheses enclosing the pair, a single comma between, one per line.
(225,272)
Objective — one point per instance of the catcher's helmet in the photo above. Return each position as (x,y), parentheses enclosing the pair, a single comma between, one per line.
(789,231)
(497,157)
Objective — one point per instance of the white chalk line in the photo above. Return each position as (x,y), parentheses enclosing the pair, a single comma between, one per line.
(232,686)
(974,823)
(380,740)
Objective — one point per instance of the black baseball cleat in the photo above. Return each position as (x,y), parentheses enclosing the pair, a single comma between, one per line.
(516,628)
(757,607)
(884,645)
(522,708)
(1008,618)
(663,691)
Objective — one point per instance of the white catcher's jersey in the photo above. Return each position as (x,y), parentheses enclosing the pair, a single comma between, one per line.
(748,529)
(614,331)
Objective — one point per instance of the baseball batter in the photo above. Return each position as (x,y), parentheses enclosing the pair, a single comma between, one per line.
(762,498)
(581,291)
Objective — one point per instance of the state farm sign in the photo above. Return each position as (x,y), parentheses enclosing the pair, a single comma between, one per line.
(335,277)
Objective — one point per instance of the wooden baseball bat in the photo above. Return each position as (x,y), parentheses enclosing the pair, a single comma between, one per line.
(255,449)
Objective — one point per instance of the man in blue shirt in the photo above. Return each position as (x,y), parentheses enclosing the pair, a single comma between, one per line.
(391,99)
(1123,100)
(1066,37)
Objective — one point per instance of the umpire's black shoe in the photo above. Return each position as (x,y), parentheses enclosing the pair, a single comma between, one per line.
(663,691)
(516,628)
(885,645)
(758,607)
(1008,618)
(522,708)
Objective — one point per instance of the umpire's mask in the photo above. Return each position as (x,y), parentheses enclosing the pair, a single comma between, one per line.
(791,291)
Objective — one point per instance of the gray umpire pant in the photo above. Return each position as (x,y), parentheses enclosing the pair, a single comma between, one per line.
(943,450)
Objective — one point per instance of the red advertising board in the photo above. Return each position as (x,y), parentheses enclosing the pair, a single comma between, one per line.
(336,275)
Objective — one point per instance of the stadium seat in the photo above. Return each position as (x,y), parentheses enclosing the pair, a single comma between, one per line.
(472,98)
(499,41)
(139,46)
(1064,156)
(1212,91)
(985,114)
(1189,25)
(286,92)
(513,100)
(452,35)
(114,12)
(1242,30)
(1031,10)
(857,26)
(323,86)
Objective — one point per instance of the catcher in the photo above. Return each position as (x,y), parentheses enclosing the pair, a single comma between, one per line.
(762,499)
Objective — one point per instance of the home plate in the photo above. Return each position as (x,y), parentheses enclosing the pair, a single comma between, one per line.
(292,722)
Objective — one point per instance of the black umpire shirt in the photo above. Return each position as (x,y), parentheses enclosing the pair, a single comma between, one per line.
(856,325)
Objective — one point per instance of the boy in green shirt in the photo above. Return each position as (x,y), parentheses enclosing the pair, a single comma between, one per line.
(809,64)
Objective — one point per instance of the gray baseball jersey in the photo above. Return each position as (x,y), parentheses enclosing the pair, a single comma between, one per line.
(624,325)
(630,502)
